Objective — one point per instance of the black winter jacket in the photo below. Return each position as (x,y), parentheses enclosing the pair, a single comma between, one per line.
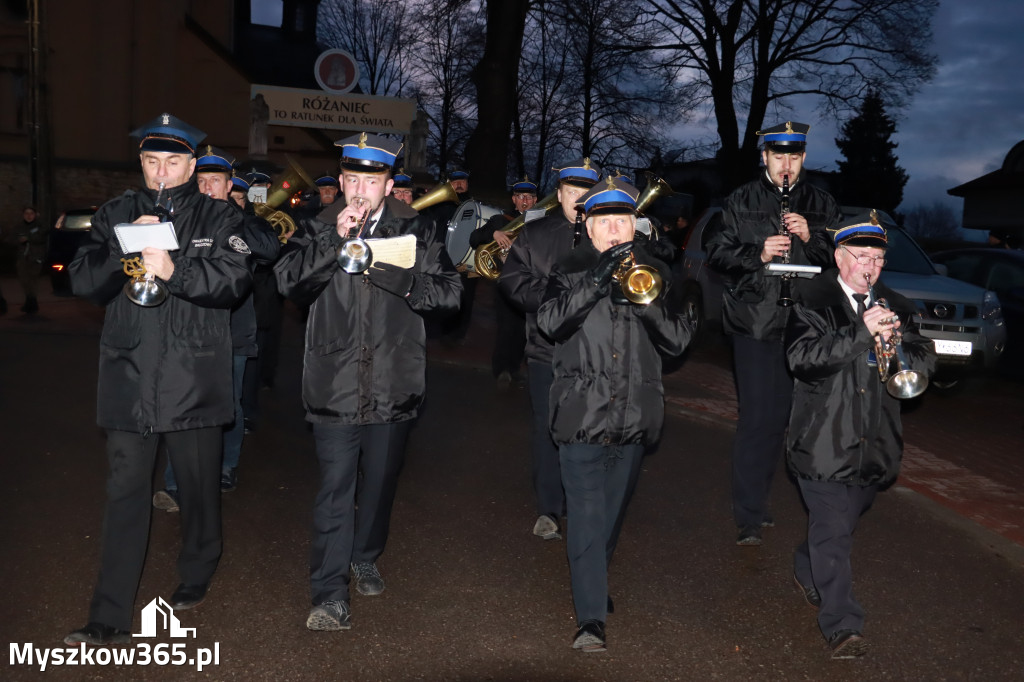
(365,354)
(262,240)
(607,387)
(524,277)
(751,215)
(166,368)
(844,426)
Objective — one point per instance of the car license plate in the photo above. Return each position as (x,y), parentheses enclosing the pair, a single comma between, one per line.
(952,347)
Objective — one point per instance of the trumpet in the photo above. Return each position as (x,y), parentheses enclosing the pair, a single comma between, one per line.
(906,382)
(354,254)
(143,288)
(640,283)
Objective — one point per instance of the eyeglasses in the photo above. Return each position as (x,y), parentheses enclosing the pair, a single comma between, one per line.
(866,260)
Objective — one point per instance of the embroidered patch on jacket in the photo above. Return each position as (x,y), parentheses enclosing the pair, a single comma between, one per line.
(238,244)
(203,242)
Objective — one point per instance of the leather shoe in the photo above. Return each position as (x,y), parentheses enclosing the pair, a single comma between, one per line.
(846,644)
(810,594)
(590,637)
(749,536)
(98,634)
(188,596)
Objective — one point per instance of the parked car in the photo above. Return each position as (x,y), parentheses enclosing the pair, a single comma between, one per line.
(1001,271)
(964,320)
(70,231)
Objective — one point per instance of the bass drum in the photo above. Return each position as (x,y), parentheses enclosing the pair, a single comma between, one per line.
(468,217)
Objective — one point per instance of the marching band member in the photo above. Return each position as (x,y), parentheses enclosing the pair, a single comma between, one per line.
(607,399)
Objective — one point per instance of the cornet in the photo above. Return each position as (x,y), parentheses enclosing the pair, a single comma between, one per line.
(640,283)
(905,383)
(143,288)
(354,254)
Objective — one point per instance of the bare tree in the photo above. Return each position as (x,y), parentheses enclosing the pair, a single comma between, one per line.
(378,34)
(744,58)
(931,221)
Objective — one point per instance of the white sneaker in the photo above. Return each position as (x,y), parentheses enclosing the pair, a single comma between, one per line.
(546,528)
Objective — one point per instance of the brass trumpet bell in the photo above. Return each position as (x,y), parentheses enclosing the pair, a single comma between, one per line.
(354,256)
(142,289)
(906,383)
(436,195)
(640,283)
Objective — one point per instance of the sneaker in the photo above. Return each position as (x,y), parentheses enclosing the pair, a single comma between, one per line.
(368,580)
(546,528)
(749,536)
(166,500)
(847,644)
(590,637)
(228,480)
(330,616)
(98,634)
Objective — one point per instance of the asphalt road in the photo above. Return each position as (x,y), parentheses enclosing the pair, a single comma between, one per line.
(471,594)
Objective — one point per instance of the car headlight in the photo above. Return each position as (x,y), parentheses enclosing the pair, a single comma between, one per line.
(991,309)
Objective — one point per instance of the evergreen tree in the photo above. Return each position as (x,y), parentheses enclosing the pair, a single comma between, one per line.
(869,176)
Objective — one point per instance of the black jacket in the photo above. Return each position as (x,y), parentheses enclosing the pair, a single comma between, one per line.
(607,386)
(751,215)
(524,277)
(262,240)
(485,233)
(844,426)
(365,352)
(166,368)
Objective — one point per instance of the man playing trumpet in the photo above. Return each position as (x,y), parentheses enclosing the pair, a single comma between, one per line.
(607,399)
(845,436)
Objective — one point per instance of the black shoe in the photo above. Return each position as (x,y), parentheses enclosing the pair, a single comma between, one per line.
(330,616)
(367,577)
(166,500)
(847,644)
(188,596)
(228,481)
(590,637)
(810,594)
(749,536)
(504,379)
(99,634)
(768,521)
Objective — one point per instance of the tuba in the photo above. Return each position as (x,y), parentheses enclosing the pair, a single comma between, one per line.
(436,195)
(295,180)
(490,257)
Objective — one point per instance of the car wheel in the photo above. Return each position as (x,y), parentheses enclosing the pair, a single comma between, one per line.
(693,310)
(947,384)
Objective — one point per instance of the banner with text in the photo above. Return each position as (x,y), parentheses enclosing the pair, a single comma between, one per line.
(316,109)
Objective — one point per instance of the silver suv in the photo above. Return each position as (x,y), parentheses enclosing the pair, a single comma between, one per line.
(964,320)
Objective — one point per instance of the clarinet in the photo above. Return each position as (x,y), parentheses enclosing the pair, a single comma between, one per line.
(785,297)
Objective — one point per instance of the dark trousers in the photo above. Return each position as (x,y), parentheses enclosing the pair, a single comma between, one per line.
(510,337)
(599,481)
(547,473)
(823,560)
(764,391)
(457,325)
(195,455)
(359,467)
(260,370)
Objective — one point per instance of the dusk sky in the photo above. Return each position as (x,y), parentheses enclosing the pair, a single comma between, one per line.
(958,127)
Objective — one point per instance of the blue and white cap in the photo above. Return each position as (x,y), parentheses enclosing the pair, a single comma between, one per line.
(613,195)
(581,172)
(368,153)
(525,186)
(214,160)
(167,133)
(327,180)
(786,137)
(861,230)
(402,179)
(239,183)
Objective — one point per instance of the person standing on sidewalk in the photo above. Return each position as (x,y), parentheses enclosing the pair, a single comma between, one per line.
(748,239)
(607,398)
(164,371)
(845,435)
(524,280)
(31,236)
(363,378)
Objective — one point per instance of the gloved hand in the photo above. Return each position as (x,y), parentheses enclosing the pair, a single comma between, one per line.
(391,278)
(608,262)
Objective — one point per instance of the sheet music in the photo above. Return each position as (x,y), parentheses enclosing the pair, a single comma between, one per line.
(135,237)
(400,251)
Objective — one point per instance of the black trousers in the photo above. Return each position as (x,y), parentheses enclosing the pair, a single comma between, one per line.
(195,456)
(457,325)
(823,560)
(359,467)
(599,482)
(510,336)
(764,391)
(547,471)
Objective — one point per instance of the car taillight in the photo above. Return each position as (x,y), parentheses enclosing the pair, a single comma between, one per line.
(60,222)
(57,266)
(991,309)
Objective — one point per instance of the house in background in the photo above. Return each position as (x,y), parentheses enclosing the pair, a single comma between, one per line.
(995,201)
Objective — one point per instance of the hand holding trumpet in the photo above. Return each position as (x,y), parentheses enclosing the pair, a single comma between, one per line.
(881,321)
(353,217)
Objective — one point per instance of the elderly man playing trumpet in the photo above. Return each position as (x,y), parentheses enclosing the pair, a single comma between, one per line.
(606,402)
(845,437)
